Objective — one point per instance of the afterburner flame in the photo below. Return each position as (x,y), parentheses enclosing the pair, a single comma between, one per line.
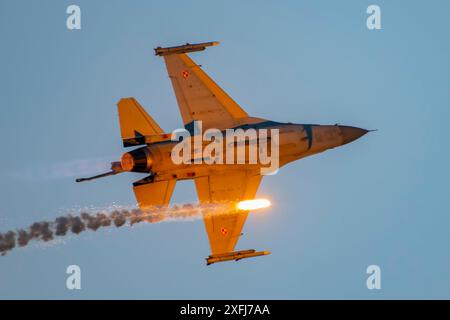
(255,204)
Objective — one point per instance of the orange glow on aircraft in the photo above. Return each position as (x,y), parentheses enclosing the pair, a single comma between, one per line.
(204,104)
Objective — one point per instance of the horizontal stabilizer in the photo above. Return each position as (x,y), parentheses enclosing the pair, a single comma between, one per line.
(153,194)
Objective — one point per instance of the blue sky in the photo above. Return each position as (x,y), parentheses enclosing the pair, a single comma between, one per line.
(380,200)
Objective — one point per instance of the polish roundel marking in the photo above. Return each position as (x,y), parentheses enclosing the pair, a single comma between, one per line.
(185,74)
(224,231)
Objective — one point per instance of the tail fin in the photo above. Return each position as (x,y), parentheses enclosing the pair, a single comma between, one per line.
(135,123)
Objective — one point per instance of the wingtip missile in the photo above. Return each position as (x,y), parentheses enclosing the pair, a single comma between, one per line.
(188,47)
(236,256)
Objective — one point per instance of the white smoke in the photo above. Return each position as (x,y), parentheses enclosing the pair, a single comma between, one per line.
(67,169)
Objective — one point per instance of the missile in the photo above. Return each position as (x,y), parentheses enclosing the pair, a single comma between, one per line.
(236,255)
(159,51)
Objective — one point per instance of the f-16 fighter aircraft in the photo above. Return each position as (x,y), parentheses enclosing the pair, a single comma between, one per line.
(205,106)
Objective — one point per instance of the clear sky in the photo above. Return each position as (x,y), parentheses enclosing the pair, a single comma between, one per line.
(381,200)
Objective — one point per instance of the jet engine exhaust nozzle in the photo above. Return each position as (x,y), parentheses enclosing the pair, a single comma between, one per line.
(138,160)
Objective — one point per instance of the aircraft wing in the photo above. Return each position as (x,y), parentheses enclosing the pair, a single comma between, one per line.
(199,97)
(224,230)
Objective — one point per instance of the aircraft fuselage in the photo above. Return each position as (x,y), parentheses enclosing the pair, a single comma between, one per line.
(296,141)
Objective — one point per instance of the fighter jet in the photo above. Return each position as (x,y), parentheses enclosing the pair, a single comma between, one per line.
(201,99)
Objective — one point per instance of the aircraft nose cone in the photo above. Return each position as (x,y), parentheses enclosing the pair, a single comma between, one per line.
(350,134)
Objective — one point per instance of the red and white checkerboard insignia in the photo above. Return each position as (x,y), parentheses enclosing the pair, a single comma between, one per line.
(224,231)
(185,74)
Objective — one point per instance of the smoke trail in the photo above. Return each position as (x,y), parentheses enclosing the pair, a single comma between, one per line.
(61,226)
(65,169)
